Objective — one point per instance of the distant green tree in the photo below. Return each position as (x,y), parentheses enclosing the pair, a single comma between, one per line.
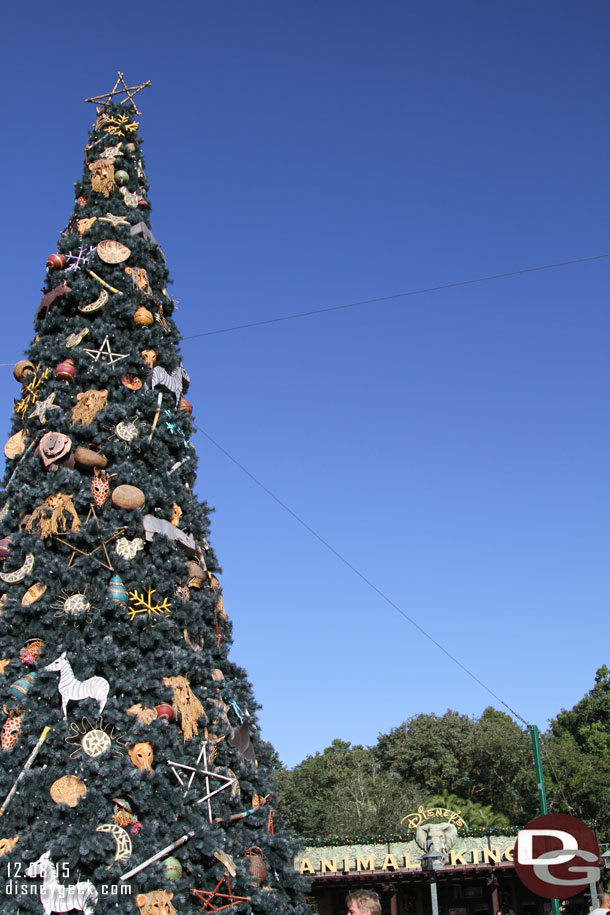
(502,771)
(432,752)
(577,755)
(343,790)
(472,813)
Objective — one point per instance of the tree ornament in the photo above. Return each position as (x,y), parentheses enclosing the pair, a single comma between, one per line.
(196,575)
(33,594)
(56,261)
(112,252)
(81,259)
(65,371)
(140,604)
(130,198)
(143,317)
(56,897)
(83,225)
(185,406)
(175,383)
(102,176)
(89,459)
(121,177)
(115,221)
(73,340)
(21,687)
(73,606)
(7,845)
(256,862)
(139,278)
(144,715)
(102,283)
(165,712)
(141,755)
(123,816)
(161,526)
(104,353)
(100,487)
(227,900)
(117,591)
(15,446)
(53,447)
(128,549)
(159,902)
(68,790)
(128,497)
(140,228)
(71,689)
(123,846)
(89,307)
(22,369)
(50,298)
(30,389)
(50,517)
(126,432)
(5,548)
(131,382)
(30,653)
(88,405)
(11,730)
(42,407)
(127,91)
(94,740)
(11,578)
(149,357)
(172,869)
(186,704)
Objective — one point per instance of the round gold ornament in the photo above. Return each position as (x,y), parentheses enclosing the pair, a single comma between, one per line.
(68,790)
(128,497)
(112,251)
(143,317)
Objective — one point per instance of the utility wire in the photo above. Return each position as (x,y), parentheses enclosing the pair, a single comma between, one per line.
(357,572)
(397,295)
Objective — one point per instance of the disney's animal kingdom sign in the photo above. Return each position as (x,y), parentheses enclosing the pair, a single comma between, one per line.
(401,856)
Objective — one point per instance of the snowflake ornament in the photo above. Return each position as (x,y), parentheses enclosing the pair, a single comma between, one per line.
(140,604)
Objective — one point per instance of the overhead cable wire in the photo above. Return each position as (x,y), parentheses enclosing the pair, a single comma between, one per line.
(396,295)
(357,572)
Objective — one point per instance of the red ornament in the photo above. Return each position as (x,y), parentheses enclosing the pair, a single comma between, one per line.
(56,261)
(65,370)
(185,406)
(142,202)
(165,712)
(81,200)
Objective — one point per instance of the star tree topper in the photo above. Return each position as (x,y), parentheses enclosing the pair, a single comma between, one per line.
(128,91)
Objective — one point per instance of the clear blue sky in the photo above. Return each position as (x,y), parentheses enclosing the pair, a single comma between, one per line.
(452,446)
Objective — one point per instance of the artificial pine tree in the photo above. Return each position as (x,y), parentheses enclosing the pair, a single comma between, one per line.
(113,633)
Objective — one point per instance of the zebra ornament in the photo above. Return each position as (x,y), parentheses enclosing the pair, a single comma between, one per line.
(75,690)
(55,896)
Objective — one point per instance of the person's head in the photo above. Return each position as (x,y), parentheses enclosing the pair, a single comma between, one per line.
(604,901)
(363,902)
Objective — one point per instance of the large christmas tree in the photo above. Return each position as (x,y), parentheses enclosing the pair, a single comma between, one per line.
(131,773)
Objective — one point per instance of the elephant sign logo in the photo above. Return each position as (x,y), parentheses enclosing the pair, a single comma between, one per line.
(557,856)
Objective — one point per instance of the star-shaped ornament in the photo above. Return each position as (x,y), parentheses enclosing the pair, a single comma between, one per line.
(105,353)
(114,220)
(205,772)
(42,407)
(128,91)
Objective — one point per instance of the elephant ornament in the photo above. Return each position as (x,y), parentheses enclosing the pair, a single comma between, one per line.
(436,837)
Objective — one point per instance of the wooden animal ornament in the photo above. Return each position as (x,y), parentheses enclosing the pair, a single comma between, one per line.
(176,383)
(75,690)
(186,704)
(55,896)
(159,902)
